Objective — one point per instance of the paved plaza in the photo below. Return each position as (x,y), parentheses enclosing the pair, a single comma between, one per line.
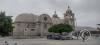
(44,41)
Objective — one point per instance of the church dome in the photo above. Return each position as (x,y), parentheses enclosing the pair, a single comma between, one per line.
(55,15)
(69,10)
(26,17)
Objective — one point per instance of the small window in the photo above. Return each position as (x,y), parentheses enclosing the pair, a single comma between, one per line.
(25,29)
(31,25)
(32,29)
(45,18)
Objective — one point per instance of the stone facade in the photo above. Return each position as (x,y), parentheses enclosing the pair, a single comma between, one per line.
(29,25)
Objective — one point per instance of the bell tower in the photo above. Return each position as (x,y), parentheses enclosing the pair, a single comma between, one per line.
(55,15)
(69,17)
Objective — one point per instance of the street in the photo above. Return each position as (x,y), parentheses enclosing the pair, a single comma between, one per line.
(44,41)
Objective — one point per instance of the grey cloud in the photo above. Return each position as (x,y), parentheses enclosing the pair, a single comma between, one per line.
(86,11)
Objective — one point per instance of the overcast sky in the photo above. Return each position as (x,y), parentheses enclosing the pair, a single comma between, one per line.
(87,12)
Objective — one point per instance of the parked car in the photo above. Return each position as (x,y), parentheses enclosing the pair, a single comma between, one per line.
(49,37)
(69,38)
(60,37)
(57,37)
(64,37)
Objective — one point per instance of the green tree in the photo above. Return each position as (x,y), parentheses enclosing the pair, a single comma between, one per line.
(5,24)
(59,28)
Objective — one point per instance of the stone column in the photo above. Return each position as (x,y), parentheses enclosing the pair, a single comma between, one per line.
(41,30)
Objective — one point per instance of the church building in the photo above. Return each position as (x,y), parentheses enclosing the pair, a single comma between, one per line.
(29,25)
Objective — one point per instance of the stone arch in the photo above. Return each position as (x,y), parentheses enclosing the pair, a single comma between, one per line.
(45,22)
(45,18)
